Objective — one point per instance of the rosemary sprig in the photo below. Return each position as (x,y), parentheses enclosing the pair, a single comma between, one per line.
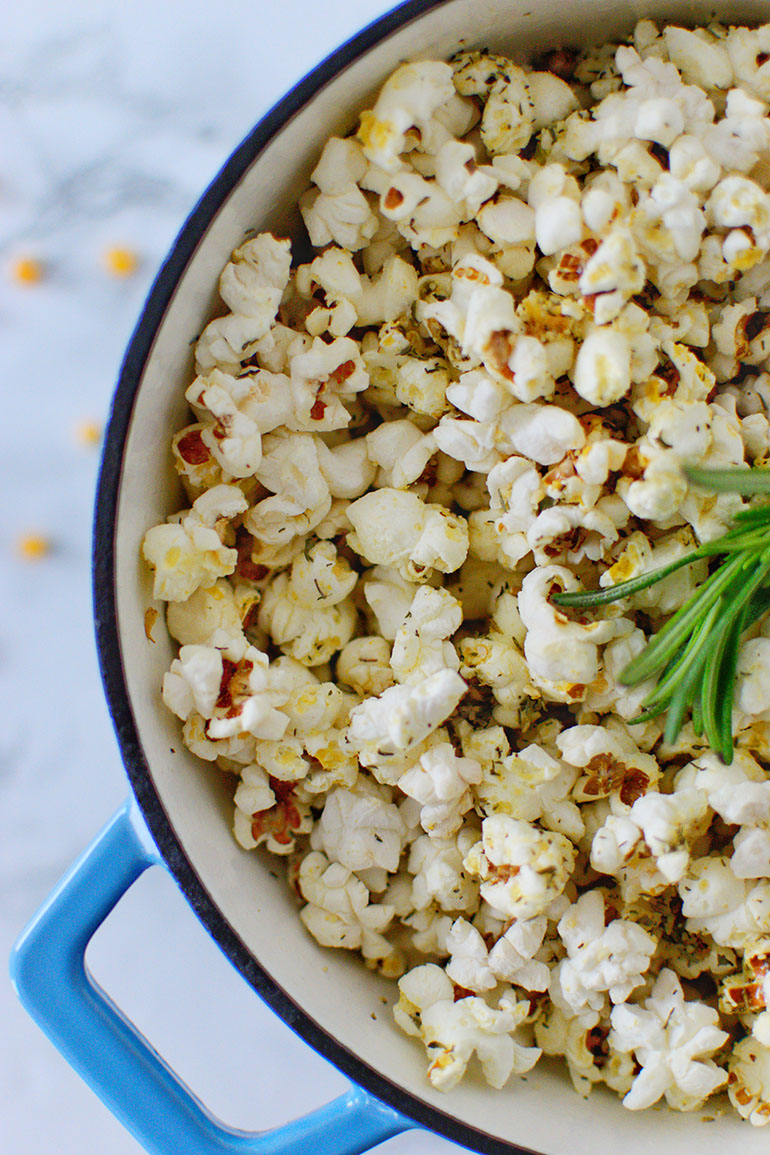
(695,654)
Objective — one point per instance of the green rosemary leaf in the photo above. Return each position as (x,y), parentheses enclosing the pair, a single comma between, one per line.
(585,599)
(680,625)
(683,698)
(697,717)
(726,689)
(743,481)
(709,696)
(758,606)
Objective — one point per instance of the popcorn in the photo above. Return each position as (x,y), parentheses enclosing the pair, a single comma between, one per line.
(584,1043)
(730,909)
(338,912)
(396,529)
(611,762)
(670,1039)
(511,959)
(453,1031)
(497,367)
(189,554)
(420,647)
(521,869)
(206,612)
(268,812)
(403,716)
(440,782)
(437,865)
(748,1083)
(409,99)
(360,828)
(556,648)
(364,665)
(601,960)
(544,433)
(531,785)
(667,824)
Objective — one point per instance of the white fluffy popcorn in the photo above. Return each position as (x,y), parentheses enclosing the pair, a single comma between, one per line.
(403,716)
(454,1031)
(522,869)
(671,1040)
(602,959)
(360,828)
(190,553)
(338,911)
(440,782)
(476,967)
(529,301)
(395,528)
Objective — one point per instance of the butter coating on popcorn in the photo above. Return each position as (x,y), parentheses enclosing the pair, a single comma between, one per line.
(532,294)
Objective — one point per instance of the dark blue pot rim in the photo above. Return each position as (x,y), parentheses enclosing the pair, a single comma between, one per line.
(105,608)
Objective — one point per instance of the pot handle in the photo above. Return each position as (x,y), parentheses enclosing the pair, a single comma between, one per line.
(51,978)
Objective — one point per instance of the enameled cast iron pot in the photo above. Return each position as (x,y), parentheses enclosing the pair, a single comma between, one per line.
(249,912)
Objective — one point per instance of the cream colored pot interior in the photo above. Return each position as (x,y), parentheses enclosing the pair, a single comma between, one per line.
(542,1113)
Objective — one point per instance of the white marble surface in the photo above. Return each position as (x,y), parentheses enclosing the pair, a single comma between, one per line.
(113,118)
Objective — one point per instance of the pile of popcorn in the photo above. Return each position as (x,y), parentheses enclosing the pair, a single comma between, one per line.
(535,293)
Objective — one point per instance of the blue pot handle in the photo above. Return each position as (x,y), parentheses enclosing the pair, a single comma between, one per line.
(49,973)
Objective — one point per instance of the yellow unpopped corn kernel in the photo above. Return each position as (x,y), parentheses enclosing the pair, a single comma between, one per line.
(27,270)
(33,546)
(119,261)
(88,433)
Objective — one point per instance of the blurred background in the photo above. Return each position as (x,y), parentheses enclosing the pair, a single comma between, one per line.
(113,120)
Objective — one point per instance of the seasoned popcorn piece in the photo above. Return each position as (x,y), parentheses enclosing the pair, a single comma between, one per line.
(338,911)
(291,470)
(211,609)
(611,762)
(740,794)
(364,665)
(497,662)
(322,378)
(670,1038)
(508,120)
(440,782)
(453,1031)
(521,869)
(361,828)
(394,528)
(268,811)
(310,634)
(533,786)
(403,716)
(732,910)
(408,100)
(748,1083)
(583,1042)
(603,958)
(336,210)
(665,825)
(511,959)
(749,993)
(544,433)
(389,596)
(439,876)
(189,553)
(421,646)
(556,648)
